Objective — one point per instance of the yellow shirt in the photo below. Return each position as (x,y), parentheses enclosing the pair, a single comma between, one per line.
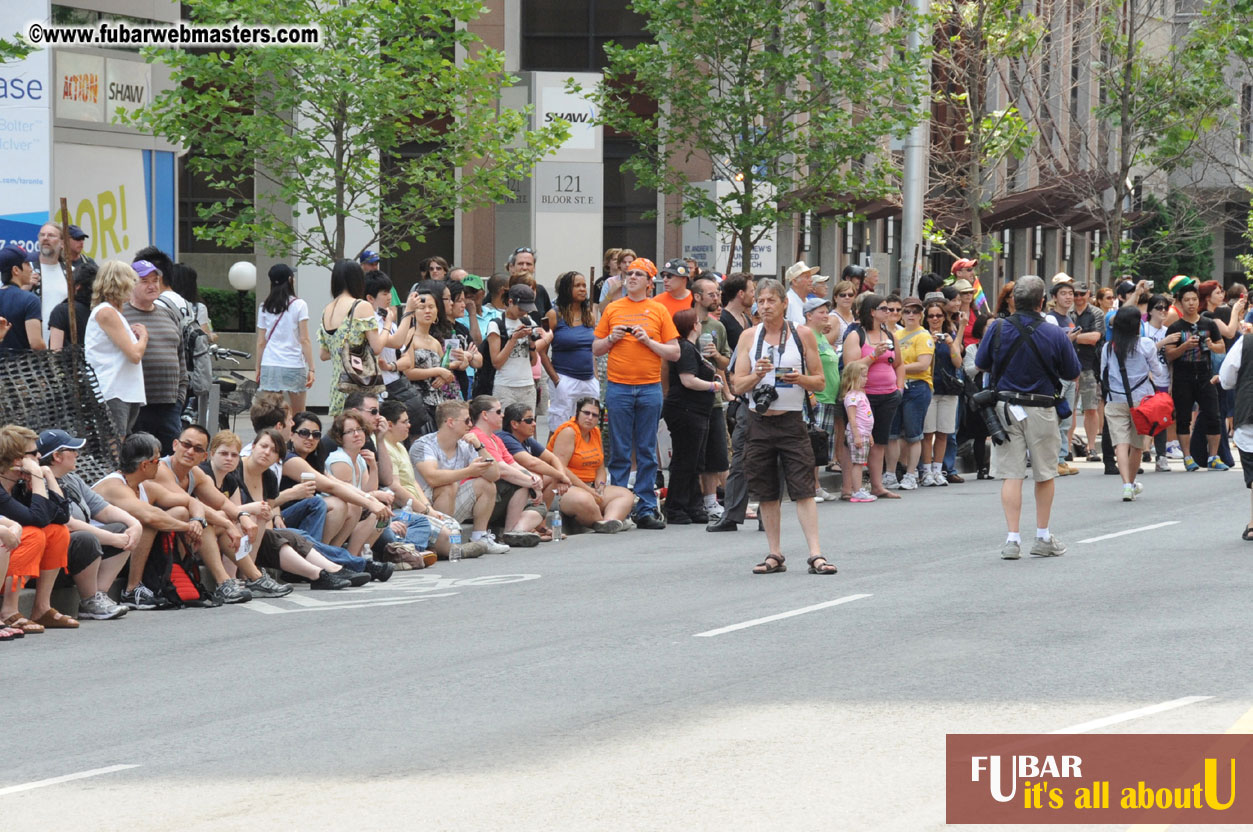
(915,343)
(402,467)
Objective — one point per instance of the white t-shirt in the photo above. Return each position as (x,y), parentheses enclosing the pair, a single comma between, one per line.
(282,346)
(52,291)
(517,370)
(795,308)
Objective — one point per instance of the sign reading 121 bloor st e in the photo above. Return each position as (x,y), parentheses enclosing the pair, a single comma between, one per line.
(1099,778)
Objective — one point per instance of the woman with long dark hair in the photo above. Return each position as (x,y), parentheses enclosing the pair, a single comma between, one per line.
(569,364)
(686,410)
(284,351)
(442,327)
(872,343)
(422,358)
(348,320)
(1130,371)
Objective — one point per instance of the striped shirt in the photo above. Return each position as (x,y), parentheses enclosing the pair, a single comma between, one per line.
(165,375)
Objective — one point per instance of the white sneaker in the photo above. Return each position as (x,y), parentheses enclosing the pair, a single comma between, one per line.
(715,511)
(1174,451)
(490,546)
(826,495)
(909,482)
(889,480)
(863,496)
(1139,488)
(818,498)
(940,479)
(1162,466)
(926,480)
(1128,493)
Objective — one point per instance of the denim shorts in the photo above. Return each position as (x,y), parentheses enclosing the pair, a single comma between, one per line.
(910,416)
(283,379)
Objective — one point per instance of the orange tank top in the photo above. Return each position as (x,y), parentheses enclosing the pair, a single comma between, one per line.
(588,455)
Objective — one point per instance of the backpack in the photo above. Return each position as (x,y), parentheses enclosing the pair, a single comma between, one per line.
(195,343)
(173,574)
(485,376)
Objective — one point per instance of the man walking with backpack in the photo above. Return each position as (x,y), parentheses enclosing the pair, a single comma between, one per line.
(1026,361)
(165,370)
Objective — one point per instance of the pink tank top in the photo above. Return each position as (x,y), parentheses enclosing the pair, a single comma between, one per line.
(881,378)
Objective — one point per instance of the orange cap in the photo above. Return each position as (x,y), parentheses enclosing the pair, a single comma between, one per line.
(645,265)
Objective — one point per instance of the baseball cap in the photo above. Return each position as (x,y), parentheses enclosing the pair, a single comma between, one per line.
(143,268)
(11,256)
(1062,277)
(472,281)
(816,303)
(77,233)
(1081,288)
(963,264)
(678,268)
(1125,288)
(523,297)
(821,278)
(368,256)
(280,273)
(51,441)
(963,286)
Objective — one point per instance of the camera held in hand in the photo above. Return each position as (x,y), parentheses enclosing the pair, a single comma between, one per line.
(534,336)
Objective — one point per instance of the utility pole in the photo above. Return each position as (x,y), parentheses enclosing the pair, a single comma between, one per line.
(916,153)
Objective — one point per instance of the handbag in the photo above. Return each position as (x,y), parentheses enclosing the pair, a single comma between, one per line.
(1154,413)
(358,366)
(270,335)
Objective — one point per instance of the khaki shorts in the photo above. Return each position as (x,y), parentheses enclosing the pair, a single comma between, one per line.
(941,415)
(1089,391)
(1037,433)
(1122,429)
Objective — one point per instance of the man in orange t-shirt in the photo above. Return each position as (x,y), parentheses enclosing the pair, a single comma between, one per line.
(677,295)
(637,333)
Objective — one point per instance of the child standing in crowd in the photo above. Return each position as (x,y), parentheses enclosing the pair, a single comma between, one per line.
(860,426)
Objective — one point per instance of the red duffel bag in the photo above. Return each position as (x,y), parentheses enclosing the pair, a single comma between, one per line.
(1154,414)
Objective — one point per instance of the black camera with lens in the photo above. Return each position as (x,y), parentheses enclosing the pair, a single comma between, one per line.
(984,402)
(762,396)
(534,336)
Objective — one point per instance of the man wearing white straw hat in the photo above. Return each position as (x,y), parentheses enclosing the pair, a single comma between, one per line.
(800,281)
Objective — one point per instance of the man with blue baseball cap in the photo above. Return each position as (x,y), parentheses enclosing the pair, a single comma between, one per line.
(21,320)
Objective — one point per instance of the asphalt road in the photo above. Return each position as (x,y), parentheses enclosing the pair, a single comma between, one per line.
(586,685)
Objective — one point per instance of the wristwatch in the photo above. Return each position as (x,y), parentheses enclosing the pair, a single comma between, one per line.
(203,522)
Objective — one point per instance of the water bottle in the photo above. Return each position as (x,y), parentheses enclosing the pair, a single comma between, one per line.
(406,515)
(454,537)
(555,523)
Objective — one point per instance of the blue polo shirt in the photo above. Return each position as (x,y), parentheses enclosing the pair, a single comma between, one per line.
(1024,373)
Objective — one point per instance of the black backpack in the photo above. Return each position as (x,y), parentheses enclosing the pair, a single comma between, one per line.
(195,343)
(173,574)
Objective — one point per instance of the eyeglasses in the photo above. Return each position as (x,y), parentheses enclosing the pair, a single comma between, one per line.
(530,420)
(595,414)
(308,434)
(845,295)
(195,449)
(373,411)
(351,431)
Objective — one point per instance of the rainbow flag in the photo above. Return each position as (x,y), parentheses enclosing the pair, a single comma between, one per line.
(981,299)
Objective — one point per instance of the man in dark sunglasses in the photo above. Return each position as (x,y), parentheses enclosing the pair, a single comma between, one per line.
(518,436)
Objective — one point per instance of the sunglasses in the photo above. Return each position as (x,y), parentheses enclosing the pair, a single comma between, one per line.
(308,434)
(35,454)
(468,421)
(530,420)
(913,312)
(845,295)
(195,449)
(1161,308)
(374,411)
(882,309)
(498,410)
(935,317)
(524,250)
(595,414)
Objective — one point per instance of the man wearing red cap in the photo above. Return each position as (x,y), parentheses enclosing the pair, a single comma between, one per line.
(637,333)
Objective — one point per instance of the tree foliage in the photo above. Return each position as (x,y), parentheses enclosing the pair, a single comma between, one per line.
(792,101)
(373,124)
(1172,238)
(13,49)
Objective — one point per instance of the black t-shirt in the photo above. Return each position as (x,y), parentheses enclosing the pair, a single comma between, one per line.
(315,460)
(690,361)
(234,481)
(1223,313)
(733,326)
(1198,358)
(18,306)
(1090,320)
(59,318)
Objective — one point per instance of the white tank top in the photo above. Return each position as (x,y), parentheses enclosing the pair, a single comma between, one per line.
(791,396)
(118,377)
(117,475)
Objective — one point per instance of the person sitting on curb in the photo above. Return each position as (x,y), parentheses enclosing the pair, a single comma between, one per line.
(513,507)
(577,446)
(456,473)
(231,523)
(102,536)
(31,497)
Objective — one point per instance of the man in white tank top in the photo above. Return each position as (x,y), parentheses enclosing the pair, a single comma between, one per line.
(776,367)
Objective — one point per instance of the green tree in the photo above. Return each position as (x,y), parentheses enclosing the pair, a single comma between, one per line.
(977,44)
(13,49)
(1171,238)
(792,101)
(391,120)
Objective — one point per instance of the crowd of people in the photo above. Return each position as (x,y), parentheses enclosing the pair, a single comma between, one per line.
(673,396)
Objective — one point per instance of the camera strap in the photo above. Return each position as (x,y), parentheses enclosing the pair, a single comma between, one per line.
(1025,333)
(800,349)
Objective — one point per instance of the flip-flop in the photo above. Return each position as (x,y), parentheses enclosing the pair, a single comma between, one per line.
(1248,533)
(887,495)
(11,634)
(846,498)
(53,620)
(764,568)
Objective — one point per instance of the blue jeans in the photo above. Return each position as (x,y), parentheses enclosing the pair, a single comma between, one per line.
(634,413)
(907,423)
(308,515)
(950,450)
(164,421)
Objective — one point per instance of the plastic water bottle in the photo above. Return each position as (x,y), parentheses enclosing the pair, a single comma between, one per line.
(555,523)
(454,537)
(406,515)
